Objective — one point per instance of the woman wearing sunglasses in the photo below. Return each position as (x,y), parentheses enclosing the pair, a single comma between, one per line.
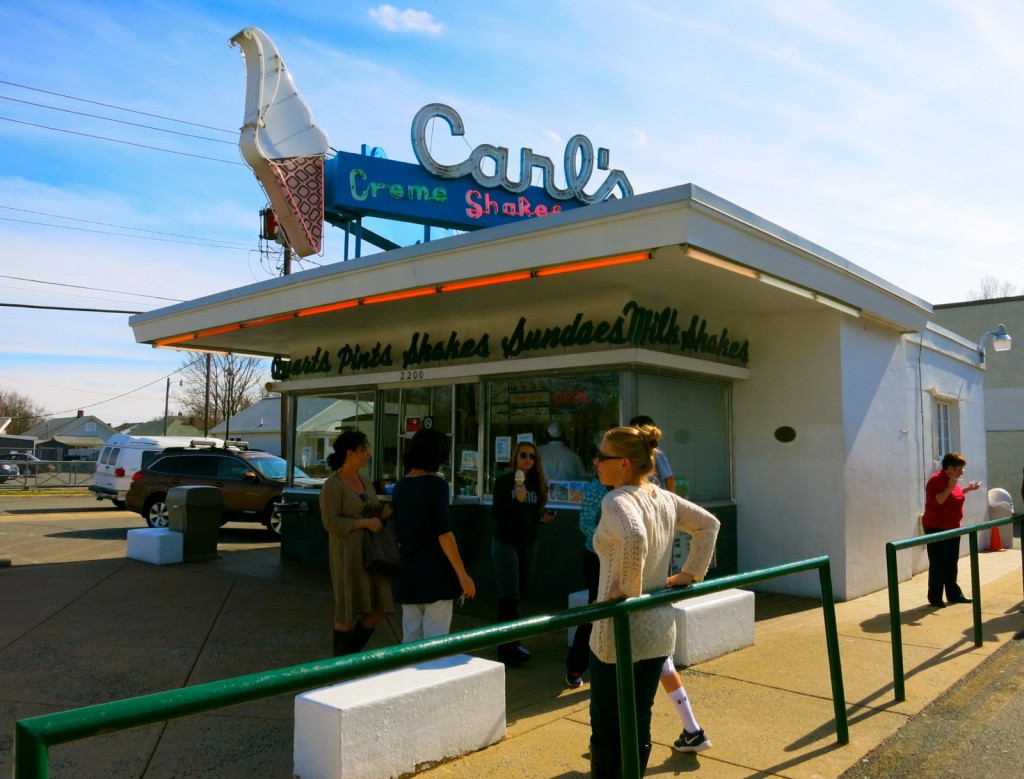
(518,510)
(633,542)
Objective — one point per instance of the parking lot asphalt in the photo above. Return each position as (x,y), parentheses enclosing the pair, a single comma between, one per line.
(81,624)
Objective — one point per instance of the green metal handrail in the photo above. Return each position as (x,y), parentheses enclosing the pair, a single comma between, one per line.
(34,736)
(894,593)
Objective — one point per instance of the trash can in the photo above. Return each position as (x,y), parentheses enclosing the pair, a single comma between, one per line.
(195,513)
(1000,506)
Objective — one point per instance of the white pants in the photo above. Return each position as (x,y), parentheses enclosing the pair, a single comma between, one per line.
(426,620)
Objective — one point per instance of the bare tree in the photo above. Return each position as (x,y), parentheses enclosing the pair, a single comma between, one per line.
(23,412)
(235,383)
(992,287)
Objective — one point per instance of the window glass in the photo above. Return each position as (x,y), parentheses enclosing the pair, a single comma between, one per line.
(564,416)
(199,465)
(943,413)
(693,416)
(232,469)
(465,440)
(320,418)
(109,455)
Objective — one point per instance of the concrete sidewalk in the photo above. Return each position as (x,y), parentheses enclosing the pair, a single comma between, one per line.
(80,624)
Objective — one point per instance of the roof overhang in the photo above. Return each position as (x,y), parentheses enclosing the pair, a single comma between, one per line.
(699,248)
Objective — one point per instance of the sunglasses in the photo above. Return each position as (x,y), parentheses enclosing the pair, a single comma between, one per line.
(527,455)
(601,457)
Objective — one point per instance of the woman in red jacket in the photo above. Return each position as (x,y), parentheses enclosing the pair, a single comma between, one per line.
(943,510)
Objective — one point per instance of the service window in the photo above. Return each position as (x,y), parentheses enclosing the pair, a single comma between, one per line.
(564,416)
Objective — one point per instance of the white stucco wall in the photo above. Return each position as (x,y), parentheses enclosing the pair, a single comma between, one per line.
(880,472)
(789,495)
(858,394)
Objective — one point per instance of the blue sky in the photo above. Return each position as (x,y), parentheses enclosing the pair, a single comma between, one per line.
(886,132)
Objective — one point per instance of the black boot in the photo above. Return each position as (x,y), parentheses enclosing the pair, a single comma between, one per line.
(342,642)
(511,653)
(604,761)
(360,635)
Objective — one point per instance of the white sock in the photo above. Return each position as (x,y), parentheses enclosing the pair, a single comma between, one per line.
(682,706)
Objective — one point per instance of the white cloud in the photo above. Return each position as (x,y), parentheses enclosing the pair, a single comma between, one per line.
(405,20)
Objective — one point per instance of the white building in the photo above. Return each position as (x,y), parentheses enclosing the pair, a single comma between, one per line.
(798,393)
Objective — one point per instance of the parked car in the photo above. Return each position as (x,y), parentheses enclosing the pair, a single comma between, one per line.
(123,456)
(8,471)
(251,483)
(29,464)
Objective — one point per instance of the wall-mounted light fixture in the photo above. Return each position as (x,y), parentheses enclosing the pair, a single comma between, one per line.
(1002,341)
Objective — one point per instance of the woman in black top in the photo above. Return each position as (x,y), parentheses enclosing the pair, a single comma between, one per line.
(430,570)
(518,509)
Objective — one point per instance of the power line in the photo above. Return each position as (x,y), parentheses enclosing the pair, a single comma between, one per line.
(117,107)
(126,143)
(123,227)
(70,308)
(125,394)
(91,289)
(118,121)
(124,235)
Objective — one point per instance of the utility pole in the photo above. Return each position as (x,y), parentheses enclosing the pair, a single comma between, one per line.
(167,403)
(227,412)
(206,407)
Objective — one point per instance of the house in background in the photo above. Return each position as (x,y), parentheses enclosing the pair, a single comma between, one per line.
(976,320)
(70,438)
(12,443)
(176,426)
(259,425)
(318,422)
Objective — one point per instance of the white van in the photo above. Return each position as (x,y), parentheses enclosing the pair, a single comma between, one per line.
(123,455)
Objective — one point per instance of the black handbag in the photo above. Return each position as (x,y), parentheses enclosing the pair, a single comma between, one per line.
(380,550)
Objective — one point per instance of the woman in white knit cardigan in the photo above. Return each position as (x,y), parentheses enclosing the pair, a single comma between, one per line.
(634,545)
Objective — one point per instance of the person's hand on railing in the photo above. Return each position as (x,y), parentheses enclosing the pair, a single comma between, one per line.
(681,579)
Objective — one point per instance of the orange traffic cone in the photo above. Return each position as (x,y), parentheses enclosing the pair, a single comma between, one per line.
(996,544)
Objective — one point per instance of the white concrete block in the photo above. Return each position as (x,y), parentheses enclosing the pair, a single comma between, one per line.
(156,545)
(578,598)
(385,725)
(710,626)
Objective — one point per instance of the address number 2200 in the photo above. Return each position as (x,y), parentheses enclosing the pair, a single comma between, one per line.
(410,375)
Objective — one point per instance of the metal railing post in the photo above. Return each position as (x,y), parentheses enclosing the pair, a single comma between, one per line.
(835,668)
(972,544)
(31,754)
(895,628)
(627,698)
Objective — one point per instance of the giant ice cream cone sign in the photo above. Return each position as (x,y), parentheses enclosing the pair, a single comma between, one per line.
(282,144)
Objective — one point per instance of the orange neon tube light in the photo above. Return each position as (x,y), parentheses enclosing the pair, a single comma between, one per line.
(269,320)
(592,264)
(455,286)
(325,309)
(218,330)
(413,293)
(176,339)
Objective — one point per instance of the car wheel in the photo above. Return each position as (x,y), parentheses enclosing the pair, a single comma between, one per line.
(155,511)
(273,520)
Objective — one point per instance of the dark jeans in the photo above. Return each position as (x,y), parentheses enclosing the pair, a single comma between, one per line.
(604,699)
(943,557)
(579,653)
(512,566)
